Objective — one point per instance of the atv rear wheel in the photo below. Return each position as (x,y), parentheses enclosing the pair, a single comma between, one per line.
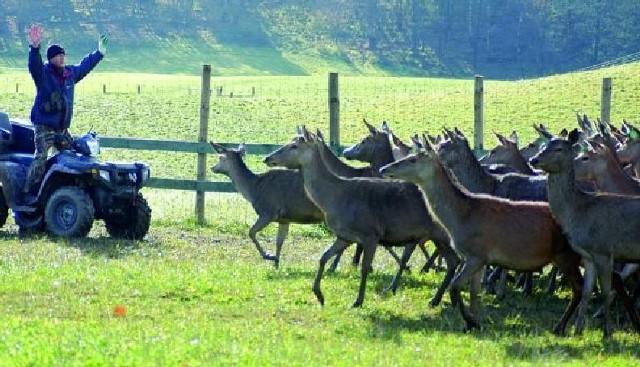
(69,212)
(4,209)
(134,224)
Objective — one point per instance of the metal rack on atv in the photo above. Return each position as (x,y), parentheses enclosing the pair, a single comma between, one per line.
(77,187)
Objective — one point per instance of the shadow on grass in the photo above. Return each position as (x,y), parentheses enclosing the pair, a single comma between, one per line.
(523,324)
(91,246)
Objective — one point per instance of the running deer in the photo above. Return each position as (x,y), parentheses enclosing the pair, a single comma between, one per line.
(276,196)
(344,170)
(367,211)
(507,153)
(377,149)
(456,154)
(487,230)
(602,228)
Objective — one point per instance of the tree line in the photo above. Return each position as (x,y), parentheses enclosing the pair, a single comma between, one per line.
(496,38)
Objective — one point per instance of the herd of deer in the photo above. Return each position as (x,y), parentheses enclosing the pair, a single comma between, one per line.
(571,200)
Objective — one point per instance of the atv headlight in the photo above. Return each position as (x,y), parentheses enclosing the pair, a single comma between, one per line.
(94,147)
(105,175)
(146,174)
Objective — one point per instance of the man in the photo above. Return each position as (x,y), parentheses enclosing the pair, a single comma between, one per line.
(53,106)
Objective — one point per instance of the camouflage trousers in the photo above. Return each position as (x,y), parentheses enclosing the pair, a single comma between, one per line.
(45,138)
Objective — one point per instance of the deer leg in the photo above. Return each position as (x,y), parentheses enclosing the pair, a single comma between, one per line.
(628,301)
(474,293)
(551,285)
(491,278)
(283,230)
(528,283)
(471,266)
(338,245)
(452,261)
(431,261)
(501,290)
(604,264)
(357,255)
(368,253)
(394,255)
(590,274)
(572,272)
(406,254)
(253,232)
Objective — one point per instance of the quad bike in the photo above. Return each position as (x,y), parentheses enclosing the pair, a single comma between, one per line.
(77,187)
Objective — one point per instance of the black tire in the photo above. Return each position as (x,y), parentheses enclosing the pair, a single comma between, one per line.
(4,209)
(29,223)
(69,212)
(134,224)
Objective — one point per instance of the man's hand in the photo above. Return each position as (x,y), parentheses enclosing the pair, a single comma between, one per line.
(103,41)
(35,35)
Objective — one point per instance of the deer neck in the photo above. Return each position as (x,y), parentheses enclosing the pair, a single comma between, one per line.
(446,201)
(336,165)
(521,165)
(472,176)
(382,157)
(320,183)
(243,179)
(616,180)
(564,195)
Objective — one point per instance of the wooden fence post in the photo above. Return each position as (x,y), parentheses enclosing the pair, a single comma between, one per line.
(334,110)
(605,103)
(478,114)
(205,96)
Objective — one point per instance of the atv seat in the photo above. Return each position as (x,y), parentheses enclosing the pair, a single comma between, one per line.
(16,136)
(5,133)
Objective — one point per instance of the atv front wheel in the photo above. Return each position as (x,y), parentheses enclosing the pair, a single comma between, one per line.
(69,212)
(4,209)
(134,224)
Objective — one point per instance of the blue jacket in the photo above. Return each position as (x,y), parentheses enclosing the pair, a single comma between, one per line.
(53,105)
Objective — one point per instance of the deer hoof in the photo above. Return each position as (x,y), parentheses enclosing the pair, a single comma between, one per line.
(270,257)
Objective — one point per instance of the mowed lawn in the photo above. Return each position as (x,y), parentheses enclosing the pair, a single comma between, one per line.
(190,295)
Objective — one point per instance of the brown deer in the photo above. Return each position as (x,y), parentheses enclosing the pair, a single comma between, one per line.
(602,228)
(367,211)
(276,196)
(601,167)
(629,153)
(507,153)
(488,230)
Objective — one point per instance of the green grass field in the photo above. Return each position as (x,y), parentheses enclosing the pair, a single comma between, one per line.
(200,295)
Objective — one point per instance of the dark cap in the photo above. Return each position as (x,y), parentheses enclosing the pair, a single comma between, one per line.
(54,50)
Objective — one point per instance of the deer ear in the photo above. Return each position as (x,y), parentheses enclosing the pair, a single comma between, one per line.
(426,144)
(574,136)
(371,128)
(385,127)
(242,149)
(319,134)
(218,148)
(305,132)
(514,138)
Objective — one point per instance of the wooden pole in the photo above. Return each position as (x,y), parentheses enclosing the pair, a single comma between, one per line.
(605,103)
(478,114)
(334,111)
(205,96)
